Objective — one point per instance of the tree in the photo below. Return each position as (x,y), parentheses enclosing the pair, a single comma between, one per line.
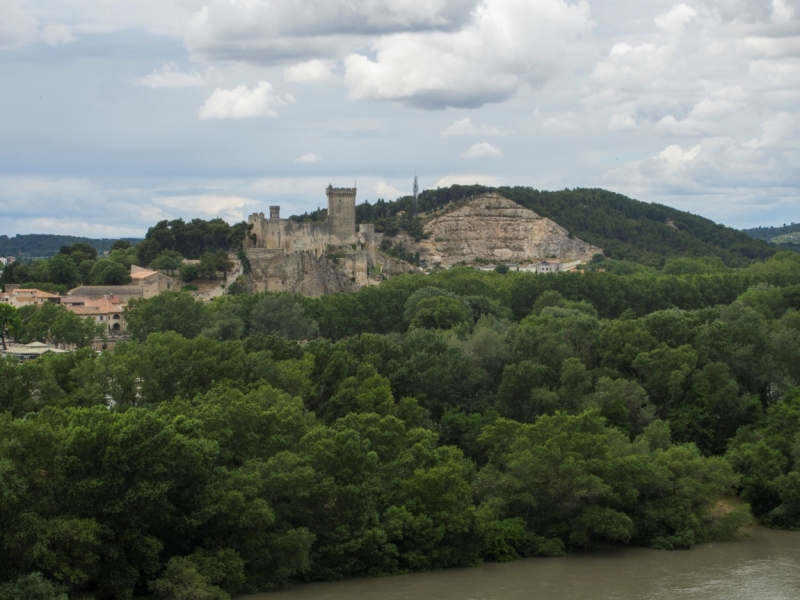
(207,267)
(224,264)
(63,270)
(181,581)
(121,245)
(9,322)
(441,312)
(109,272)
(147,250)
(189,273)
(169,311)
(281,315)
(168,260)
(79,252)
(33,586)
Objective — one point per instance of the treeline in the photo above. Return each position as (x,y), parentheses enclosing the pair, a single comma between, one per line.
(41,245)
(193,239)
(625,229)
(432,421)
(80,264)
(767,233)
(74,265)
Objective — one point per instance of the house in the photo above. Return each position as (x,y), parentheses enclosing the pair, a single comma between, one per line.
(106,311)
(145,284)
(29,351)
(550,265)
(28,297)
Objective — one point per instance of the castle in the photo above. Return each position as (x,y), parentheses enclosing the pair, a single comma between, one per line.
(339,229)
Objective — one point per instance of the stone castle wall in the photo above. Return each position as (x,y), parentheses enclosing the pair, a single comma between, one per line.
(339,229)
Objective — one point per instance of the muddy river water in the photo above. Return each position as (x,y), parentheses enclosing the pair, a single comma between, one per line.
(765,566)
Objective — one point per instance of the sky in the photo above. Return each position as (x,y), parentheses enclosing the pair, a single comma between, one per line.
(116,114)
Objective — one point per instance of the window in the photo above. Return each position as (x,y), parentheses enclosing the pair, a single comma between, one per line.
(115,317)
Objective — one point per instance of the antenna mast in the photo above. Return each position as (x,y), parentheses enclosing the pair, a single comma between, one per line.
(416,197)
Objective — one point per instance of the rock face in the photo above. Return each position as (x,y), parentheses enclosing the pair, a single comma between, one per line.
(342,269)
(497,229)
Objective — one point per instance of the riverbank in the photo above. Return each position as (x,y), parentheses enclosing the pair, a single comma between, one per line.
(763,565)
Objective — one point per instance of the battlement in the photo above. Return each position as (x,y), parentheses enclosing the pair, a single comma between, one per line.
(338,229)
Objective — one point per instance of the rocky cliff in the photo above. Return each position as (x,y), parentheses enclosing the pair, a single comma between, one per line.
(491,227)
(341,269)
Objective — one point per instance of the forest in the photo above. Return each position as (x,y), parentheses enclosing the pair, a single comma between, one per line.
(626,229)
(433,421)
(43,245)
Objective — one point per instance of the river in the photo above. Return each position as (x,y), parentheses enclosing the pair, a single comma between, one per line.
(765,566)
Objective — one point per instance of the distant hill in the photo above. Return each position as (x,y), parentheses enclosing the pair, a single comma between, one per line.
(40,245)
(769,233)
(624,228)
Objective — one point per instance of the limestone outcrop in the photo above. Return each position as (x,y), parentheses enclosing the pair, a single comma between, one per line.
(494,228)
(341,269)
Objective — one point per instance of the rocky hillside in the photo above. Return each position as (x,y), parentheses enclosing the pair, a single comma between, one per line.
(493,228)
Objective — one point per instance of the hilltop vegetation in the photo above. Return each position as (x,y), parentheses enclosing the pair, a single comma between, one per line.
(42,245)
(625,229)
(432,421)
(768,233)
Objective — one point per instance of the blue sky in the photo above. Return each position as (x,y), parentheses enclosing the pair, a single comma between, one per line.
(120,113)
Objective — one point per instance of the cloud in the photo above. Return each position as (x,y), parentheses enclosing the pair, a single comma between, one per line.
(170,76)
(467,179)
(308,158)
(243,103)
(565,122)
(486,61)
(481,150)
(56,34)
(17,27)
(466,127)
(312,71)
(387,192)
(622,122)
(274,31)
(226,207)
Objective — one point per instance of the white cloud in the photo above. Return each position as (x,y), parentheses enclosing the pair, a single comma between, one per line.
(565,122)
(467,127)
(467,179)
(312,71)
(686,127)
(481,150)
(387,192)
(622,122)
(243,103)
(225,207)
(57,33)
(170,76)
(309,158)
(17,27)
(484,62)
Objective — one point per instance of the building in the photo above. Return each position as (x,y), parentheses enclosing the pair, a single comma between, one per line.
(550,265)
(107,311)
(338,229)
(29,351)
(28,297)
(145,284)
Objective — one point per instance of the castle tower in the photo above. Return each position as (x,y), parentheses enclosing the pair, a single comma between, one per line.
(341,214)
(274,212)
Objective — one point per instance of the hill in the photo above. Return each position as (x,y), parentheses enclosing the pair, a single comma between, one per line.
(41,245)
(624,228)
(492,228)
(770,233)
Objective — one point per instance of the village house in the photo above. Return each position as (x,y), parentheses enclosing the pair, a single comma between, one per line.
(145,284)
(106,311)
(24,297)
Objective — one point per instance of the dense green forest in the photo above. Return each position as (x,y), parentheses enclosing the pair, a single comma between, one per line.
(80,263)
(432,421)
(767,233)
(625,229)
(41,245)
